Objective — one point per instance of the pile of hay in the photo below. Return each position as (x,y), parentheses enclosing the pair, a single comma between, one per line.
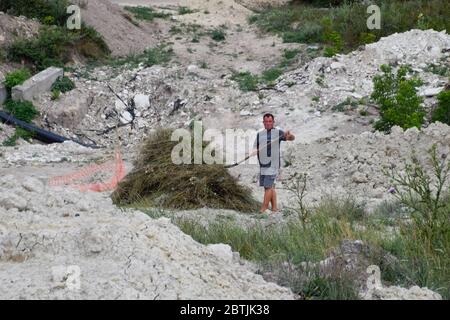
(157,181)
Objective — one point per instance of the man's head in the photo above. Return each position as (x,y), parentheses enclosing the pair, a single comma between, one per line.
(268,121)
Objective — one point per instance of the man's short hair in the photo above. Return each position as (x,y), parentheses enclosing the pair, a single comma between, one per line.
(267,115)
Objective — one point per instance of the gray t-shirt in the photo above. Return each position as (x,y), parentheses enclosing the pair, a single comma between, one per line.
(269,154)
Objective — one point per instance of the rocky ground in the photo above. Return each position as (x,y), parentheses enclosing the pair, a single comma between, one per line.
(126,254)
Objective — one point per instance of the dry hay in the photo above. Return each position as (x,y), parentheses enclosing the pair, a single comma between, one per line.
(157,181)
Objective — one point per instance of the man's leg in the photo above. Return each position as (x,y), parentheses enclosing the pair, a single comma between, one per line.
(267,197)
(274,200)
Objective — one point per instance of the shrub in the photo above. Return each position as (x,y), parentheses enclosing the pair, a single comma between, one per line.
(15,78)
(270,75)
(63,84)
(367,37)
(424,194)
(302,21)
(22,110)
(54,46)
(305,34)
(442,111)
(184,10)
(146,13)
(55,94)
(19,133)
(423,242)
(398,100)
(158,55)
(246,81)
(47,11)
(218,35)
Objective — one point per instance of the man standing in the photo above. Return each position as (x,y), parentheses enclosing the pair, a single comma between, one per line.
(267,146)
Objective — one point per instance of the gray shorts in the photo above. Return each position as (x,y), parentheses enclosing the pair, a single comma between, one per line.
(267,181)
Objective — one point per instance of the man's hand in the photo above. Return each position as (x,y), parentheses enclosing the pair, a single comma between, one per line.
(289,136)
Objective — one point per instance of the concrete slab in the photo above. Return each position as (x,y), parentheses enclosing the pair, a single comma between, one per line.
(37,84)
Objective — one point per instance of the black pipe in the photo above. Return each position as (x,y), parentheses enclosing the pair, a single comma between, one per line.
(41,134)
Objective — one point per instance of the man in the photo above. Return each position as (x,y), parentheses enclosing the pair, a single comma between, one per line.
(267,146)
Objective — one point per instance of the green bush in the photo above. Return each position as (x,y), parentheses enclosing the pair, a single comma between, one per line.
(302,21)
(218,35)
(63,84)
(47,11)
(442,112)
(22,110)
(15,78)
(54,46)
(306,34)
(55,94)
(270,75)
(146,13)
(185,10)
(367,37)
(153,56)
(246,81)
(19,133)
(46,50)
(398,100)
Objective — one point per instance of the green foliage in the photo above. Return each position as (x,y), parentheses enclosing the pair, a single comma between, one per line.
(19,133)
(309,33)
(47,11)
(63,84)
(290,54)
(442,112)
(367,37)
(270,75)
(424,243)
(303,21)
(340,287)
(48,20)
(218,35)
(310,237)
(330,52)
(246,81)
(15,78)
(55,94)
(398,100)
(441,70)
(184,10)
(54,46)
(425,194)
(22,110)
(153,56)
(146,13)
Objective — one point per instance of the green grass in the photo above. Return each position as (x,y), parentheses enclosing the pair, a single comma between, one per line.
(333,221)
(22,110)
(218,34)
(407,237)
(19,133)
(441,70)
(270,75)
(16,77)
(63,84)
(146,13)
(185,10)
(159,55)
(442,111)
(250,82)
(300,22)
(246,81)
(54,46)
(46,11)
